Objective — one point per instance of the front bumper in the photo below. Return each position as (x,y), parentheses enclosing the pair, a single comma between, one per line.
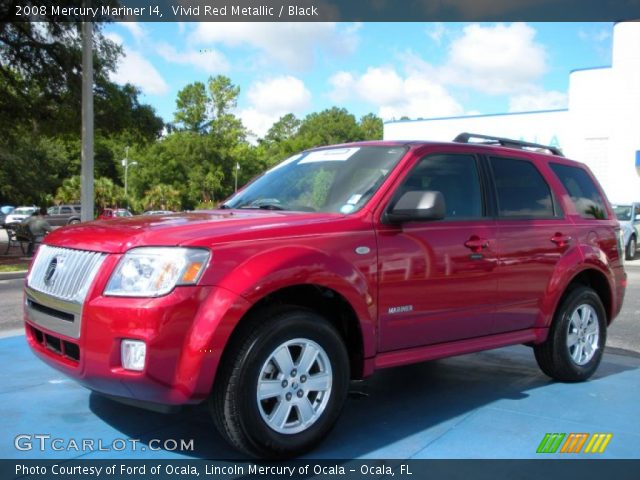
(185,332)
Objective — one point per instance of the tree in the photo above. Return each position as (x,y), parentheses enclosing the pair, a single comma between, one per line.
(162,197)
(223,95)
(331,126)
(191,107)
(107,194)
(41,72)
(371,127)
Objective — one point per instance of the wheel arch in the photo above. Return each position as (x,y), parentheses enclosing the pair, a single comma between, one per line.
(321,299)
(597,281)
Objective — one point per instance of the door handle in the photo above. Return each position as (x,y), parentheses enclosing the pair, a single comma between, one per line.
(560,239)
(475,243)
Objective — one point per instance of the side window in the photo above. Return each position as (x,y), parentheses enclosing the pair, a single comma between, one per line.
(582,190)
(521,190)
(455,176)
(65,210)
(52,210)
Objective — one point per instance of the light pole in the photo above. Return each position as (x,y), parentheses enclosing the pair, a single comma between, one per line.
(237,168)
(126,164)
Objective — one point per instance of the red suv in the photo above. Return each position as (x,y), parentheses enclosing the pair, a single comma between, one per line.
(335,263)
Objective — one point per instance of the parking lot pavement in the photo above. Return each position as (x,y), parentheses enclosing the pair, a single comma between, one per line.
(492,404)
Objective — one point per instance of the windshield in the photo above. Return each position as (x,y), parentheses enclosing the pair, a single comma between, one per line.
(623,212)
(329,180)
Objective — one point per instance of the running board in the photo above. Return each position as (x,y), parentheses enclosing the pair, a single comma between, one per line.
(442,350)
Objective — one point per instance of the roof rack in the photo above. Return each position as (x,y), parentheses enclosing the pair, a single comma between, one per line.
(506,142)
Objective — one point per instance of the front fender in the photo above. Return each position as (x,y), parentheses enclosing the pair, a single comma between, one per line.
(281,267)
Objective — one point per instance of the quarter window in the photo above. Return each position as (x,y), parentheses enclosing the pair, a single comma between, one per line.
(521,190)
(455,176)
(582,190)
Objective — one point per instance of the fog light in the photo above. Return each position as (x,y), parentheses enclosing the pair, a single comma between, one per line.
(133,353)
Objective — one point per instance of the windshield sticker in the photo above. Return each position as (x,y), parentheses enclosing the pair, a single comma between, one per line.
(354,199)
(348,208)
(331,155)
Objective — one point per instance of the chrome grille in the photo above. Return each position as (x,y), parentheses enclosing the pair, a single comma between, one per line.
(64,273)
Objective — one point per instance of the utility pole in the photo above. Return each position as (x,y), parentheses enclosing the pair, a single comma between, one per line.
(126,163)
(237,168)
(86,170)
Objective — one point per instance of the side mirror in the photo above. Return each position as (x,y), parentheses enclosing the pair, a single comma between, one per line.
(417,206)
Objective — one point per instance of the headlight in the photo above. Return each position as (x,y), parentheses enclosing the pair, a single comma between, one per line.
(155,271)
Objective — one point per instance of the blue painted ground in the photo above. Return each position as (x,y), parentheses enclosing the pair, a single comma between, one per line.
(488,405)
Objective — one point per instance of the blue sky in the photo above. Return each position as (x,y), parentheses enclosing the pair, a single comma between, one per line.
(419,70)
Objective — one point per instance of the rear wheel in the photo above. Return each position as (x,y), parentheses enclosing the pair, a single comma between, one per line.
(575,345)
(631,248)
(282,387)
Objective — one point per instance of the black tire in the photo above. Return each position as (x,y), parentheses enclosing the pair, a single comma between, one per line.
(238,414)
(631,248)
(554,356)
(74,221)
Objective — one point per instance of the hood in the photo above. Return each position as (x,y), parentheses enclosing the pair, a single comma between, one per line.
(202,228)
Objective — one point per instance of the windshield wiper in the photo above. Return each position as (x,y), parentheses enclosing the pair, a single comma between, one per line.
(264,206)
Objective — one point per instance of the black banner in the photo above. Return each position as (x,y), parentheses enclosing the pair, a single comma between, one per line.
(321,469)
(318,10)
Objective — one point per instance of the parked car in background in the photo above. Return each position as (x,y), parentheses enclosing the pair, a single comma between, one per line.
(19,214)
(4,211)
(62,215)
(108,213)
(629,217)
(157,212)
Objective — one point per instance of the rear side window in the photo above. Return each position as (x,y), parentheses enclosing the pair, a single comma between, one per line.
(456,177)
(582,190)
(522,192)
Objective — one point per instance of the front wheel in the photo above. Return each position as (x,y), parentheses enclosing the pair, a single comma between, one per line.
(575,345)
(283,385)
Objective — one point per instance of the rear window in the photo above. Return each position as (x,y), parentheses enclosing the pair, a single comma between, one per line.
(582,190)
(521,190)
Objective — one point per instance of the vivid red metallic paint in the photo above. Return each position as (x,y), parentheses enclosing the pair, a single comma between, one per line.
(459,305)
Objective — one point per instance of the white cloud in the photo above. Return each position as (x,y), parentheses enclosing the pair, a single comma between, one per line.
(437,32)
(501,59)
(414,95)
(135,69)
(538,100)
(208,60)
(498,59)
(294,45)
(135,29)
(271,99)
(279,95)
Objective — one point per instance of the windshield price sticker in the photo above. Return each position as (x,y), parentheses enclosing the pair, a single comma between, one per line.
(332,155)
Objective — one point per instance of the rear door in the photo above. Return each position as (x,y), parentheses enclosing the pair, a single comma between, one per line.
(438,279)
(532,237)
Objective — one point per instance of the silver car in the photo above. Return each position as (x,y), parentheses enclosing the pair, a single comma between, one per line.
(629,217)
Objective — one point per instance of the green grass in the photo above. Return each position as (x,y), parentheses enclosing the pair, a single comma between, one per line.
(17,267)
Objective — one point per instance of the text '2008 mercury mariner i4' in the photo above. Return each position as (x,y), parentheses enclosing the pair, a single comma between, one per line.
(337,262)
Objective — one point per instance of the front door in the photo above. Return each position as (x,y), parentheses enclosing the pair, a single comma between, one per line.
(438,278)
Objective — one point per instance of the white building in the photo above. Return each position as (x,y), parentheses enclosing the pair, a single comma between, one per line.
(600,127)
